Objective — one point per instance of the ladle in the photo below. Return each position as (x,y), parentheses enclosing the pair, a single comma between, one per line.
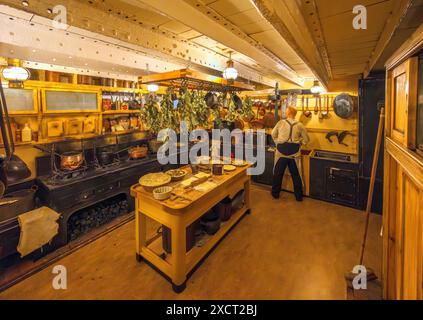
(307,113)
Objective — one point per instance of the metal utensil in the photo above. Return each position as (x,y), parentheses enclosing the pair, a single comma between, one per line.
(307,113)
(320,108)
(16,170)
(325,112)
(316,106)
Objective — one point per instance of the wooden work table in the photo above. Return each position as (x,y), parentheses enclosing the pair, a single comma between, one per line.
(177,216)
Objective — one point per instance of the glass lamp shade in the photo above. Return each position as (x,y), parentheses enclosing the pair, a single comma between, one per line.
(13,73)
(316,88)
(152,87)
(230,74)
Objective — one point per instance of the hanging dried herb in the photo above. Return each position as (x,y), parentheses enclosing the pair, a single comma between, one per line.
(200,110)
(150,114)
(247,108)
(232,114)
(185,109)
(169,114)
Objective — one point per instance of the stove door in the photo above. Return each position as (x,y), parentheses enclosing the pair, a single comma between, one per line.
(341,186)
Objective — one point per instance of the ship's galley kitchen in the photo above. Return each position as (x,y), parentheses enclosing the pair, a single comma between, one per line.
(211,149)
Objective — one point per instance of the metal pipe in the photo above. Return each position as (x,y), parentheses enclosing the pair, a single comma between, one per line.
(2,122)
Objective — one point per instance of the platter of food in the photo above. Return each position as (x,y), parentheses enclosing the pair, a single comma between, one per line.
(177,174)
(151,181)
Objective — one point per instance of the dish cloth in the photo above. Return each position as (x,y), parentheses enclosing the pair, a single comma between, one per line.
(38,227)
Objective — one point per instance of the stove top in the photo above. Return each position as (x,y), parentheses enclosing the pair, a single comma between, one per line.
(61,179)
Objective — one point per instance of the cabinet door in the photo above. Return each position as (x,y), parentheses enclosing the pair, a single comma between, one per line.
(403,191)
(403,224)
(402,91)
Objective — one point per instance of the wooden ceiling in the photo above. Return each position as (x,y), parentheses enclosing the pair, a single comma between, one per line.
(349,50)
(271,40)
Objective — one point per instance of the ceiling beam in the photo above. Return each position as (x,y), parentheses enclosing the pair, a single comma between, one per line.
(102,25)
(287,18)
(205,20)
(398,13)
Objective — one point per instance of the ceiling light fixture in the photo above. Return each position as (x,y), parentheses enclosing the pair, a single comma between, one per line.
(230,73)
(15,74)
(316,88)
(152,87)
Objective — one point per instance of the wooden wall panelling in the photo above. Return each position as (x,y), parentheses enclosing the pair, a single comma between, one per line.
(411,206)
(403,222)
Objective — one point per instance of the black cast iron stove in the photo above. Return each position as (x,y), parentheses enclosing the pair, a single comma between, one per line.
(93,195)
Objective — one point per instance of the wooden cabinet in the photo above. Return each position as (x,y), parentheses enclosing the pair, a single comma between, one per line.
(403,191)
(402,86)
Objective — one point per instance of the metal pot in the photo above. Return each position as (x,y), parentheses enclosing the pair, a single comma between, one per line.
(71,160)
(16,203)
(237,102)
(212,100)
(137,152)
(211,227)
(155,145)
(106,157)
(343,106)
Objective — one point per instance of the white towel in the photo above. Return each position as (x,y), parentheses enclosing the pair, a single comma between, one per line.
(38,227)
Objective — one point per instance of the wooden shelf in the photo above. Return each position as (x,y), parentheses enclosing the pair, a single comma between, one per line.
(108,112)
(20,144)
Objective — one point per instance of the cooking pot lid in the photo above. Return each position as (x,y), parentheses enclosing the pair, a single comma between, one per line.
(343,106)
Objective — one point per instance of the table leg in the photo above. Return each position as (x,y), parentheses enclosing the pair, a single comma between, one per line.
(140,232)
(247,197)
(178,254)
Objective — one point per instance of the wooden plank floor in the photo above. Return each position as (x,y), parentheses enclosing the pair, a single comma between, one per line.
(284,250)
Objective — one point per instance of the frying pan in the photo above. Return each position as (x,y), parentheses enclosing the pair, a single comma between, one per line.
(343,106)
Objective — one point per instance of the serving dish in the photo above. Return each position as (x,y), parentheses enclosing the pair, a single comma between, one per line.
(177,174)
(162,193)
(151,181)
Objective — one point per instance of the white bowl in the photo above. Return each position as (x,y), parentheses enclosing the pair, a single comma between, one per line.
(162,193)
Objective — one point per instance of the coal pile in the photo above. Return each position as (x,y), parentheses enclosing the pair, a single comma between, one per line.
(85,220)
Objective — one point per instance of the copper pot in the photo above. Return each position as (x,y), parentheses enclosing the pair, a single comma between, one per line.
(137,152)
(71,160)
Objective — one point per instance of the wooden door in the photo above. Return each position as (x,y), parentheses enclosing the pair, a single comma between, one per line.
(403,100)
(403,191)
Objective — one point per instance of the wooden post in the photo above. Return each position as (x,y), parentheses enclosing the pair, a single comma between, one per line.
(372,181)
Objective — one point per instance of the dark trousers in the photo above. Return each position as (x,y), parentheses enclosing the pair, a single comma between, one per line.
(279,173)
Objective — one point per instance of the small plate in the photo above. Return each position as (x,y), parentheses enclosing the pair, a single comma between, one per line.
(229,167)
(239,163)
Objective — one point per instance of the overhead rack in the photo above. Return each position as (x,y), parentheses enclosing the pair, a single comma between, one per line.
(191,79)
